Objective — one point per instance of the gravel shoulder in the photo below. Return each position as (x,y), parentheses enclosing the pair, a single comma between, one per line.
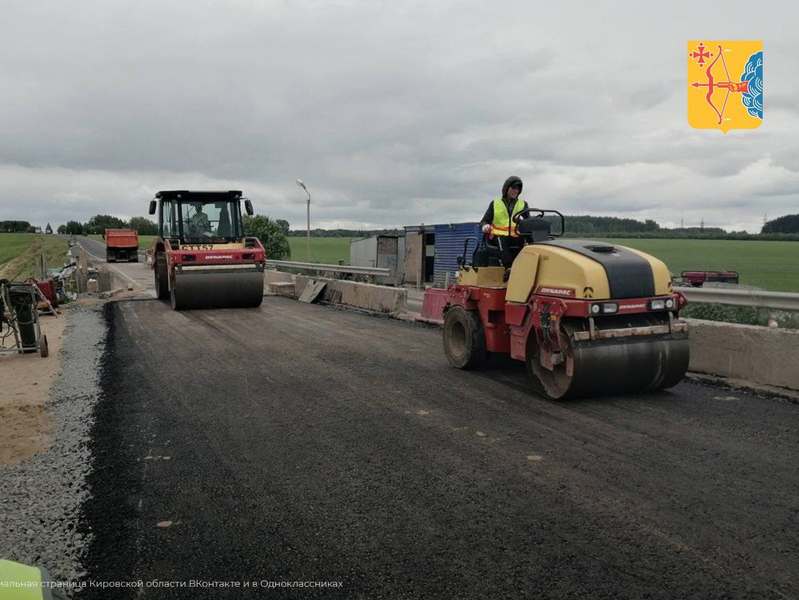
(41,493)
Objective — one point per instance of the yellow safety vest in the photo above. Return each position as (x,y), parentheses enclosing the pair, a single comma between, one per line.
(502,223)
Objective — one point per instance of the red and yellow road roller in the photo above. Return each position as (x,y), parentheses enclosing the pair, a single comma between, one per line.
(201,257)
(588,318)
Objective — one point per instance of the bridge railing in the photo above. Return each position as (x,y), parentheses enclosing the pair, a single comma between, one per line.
(785,301)
(325,268)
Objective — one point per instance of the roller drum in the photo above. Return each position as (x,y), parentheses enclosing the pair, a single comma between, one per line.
(234,288)
(617,366)
(628,365)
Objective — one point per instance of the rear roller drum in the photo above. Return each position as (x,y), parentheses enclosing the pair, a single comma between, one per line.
(464,338)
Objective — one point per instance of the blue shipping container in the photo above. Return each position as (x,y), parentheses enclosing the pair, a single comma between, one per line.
(449,246)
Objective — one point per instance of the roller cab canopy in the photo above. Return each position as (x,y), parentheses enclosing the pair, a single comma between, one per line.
(207,217)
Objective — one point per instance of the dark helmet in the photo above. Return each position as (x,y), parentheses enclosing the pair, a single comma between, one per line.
(511,181)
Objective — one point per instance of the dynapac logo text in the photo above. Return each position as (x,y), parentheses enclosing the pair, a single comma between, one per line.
(631,306)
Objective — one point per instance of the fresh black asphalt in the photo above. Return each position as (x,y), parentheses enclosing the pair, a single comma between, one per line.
(301,443)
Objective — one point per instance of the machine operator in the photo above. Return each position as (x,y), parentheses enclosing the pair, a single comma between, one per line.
(199,223)
(497,222)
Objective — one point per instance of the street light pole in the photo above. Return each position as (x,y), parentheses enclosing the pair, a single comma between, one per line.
(308,221)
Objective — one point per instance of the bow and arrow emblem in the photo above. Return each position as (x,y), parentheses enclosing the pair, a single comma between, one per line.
(713,84)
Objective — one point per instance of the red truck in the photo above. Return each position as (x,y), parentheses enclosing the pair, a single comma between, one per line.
(121,244)
(697,278)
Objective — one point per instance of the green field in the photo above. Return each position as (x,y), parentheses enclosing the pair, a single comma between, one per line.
(767,265)
(326,250)
(20,254)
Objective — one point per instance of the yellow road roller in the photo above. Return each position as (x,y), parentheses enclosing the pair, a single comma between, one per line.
(588,318)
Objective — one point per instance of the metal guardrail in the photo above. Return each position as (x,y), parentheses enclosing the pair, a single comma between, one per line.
(319,268)
(752,298)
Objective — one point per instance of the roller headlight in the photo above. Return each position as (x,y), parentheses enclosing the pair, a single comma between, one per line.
(657,304)
(670,303)
(610,307)
(595,309)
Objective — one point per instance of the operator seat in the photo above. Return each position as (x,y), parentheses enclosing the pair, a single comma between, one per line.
(487,254)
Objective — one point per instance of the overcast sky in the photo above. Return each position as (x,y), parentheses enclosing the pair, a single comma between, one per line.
(393,113)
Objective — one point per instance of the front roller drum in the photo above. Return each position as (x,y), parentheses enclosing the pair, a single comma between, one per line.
(618,366)
(217,289)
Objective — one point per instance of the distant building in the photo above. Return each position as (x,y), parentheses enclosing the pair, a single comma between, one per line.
(432,251)
(383,251)
(419,254)
(426,255)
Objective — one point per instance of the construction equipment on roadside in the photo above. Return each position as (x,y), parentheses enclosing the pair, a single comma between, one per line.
(43,304)
(588,318)
(19,318)
(47,289)
(121,244)
(201,257)
(699,278)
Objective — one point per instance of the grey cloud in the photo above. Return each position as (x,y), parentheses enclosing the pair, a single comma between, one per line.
(393,113)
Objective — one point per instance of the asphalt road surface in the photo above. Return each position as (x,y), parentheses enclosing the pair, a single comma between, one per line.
(301,443)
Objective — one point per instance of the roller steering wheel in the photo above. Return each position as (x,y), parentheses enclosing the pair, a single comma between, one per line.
(522,214)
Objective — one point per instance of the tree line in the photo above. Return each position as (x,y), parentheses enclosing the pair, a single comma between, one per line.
(328,233)
(272,233)
(99,223)
(784,224)
(16,227)
(781,228)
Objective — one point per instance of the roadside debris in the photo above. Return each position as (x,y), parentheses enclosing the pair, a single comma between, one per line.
(312,291)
